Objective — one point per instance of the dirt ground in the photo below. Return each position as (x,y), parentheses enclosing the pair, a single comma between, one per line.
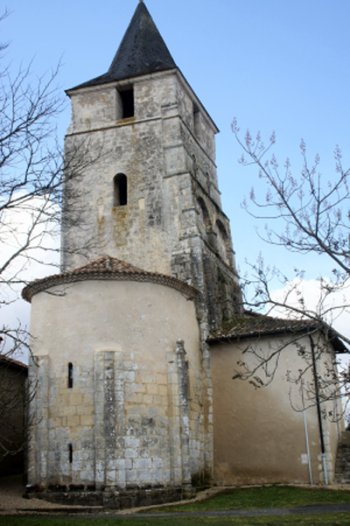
(11,497)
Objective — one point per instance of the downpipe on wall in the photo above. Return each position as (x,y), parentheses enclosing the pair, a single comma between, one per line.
(319,414)
(306,432)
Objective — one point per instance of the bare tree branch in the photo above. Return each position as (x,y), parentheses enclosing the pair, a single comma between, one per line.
(33,172)
(305,214)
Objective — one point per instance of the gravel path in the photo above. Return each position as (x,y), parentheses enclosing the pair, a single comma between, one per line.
(11,497)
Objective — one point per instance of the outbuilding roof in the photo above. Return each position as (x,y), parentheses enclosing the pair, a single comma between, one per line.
(142,51)
(252,325)
(107,268)
(6,361)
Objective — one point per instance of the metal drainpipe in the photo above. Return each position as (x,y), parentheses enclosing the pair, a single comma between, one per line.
(307,441)
(319,414)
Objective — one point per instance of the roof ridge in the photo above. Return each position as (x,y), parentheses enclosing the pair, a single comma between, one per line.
(107,268)
(107,264)
(12,362)
(253,324)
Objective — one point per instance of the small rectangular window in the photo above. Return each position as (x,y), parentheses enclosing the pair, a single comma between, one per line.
(196,121)
(120,190)
(70,375)
(127,102)
(70,453)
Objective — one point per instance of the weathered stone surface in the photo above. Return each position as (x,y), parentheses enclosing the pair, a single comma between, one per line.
(342,464)
(133,415)
(113,498)
(172,222)
(139,412)
(136,425)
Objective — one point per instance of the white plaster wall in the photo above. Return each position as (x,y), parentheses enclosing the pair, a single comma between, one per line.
(259,434)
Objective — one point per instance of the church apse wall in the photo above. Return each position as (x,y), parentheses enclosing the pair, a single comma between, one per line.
(120,398)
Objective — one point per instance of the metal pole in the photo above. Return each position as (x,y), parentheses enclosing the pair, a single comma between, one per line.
(306,431)
(319,414)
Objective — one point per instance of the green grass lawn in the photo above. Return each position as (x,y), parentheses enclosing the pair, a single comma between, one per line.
(338,519)
(240,498)
(264,497)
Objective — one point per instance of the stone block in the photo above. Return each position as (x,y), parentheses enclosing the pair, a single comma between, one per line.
(152,389)
(86,420)
(73,421)
(69,410)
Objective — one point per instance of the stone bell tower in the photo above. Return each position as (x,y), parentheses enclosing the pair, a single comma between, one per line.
(147,191)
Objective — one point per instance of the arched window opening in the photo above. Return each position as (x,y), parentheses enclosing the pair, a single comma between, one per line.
(223,241)
(204,214)
(120,190)
(222,229)
(70,375)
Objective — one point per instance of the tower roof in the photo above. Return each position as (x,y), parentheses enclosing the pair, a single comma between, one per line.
(142,51)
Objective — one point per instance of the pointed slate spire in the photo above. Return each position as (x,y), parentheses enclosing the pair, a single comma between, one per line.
(141,51)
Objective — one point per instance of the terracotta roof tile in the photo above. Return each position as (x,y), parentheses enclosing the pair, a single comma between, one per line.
(108,264)
(107,268)
(11,362)
(250,325)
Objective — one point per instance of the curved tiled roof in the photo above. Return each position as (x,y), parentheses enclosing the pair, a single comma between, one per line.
(252,325)
(6,361)
(107,268)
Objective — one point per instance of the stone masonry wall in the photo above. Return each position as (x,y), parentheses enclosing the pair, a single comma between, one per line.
(167,152)
(134,414)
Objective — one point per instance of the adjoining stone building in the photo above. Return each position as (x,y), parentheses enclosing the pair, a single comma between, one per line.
(284,422)
(135,400)
(13,390)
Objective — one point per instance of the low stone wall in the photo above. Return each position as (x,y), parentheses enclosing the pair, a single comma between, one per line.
(111,497)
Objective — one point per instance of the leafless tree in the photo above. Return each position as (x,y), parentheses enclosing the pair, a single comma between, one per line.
(33,171)
(306,214)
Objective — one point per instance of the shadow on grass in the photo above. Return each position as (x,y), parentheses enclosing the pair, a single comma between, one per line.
(337,519)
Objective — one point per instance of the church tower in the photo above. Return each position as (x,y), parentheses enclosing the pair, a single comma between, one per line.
(148,193)
(121,361)
(133,399)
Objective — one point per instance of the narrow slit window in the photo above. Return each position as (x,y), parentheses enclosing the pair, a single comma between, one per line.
(127,103)
(70,375)
(196,121)
(70,453)
(120,190)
